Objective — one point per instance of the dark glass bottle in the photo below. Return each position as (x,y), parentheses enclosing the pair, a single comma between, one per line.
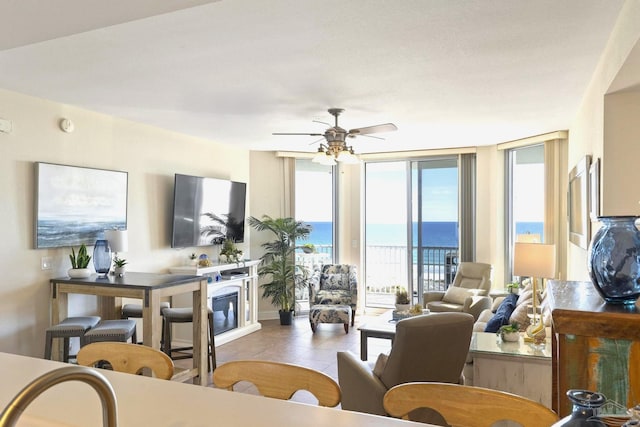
(586,407)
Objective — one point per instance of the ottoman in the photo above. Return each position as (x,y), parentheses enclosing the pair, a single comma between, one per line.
(330,313)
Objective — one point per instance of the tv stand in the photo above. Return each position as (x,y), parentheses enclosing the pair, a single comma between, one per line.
(223,278)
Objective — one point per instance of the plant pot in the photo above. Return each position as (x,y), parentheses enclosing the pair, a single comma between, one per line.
(79,273)
(286,317)
(403,307)
(510,336)
(118,271)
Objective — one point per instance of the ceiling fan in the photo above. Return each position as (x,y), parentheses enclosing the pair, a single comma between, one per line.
(336,137)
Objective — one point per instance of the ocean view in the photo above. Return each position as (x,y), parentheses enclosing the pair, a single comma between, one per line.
(437,234)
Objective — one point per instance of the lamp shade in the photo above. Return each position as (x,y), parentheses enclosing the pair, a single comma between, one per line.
(534,260)
(118,240)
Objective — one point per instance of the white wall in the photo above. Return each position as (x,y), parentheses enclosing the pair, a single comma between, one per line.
(586,134)
(267,198)
(151,156)
(620,171)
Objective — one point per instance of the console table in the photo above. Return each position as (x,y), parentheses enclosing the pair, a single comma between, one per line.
(514,367)
(245,283)
(149,288)
(596,346)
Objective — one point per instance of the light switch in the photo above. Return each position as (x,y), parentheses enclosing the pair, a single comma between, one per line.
(46,263)
(5,126)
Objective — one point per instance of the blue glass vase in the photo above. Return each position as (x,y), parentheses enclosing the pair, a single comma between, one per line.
(614,260)
(102,257)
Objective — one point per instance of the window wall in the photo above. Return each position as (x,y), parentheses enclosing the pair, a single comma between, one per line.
(525,199)
(314,205)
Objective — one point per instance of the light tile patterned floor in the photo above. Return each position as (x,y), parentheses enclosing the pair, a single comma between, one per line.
(298,344)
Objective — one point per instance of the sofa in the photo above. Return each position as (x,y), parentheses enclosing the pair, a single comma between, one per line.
(519,315)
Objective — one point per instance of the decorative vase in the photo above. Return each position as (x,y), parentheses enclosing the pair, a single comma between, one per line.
(102,257)
(79,273)
(586,408)
(613,260)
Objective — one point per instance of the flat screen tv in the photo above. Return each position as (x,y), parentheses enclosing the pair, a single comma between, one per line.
(206,211)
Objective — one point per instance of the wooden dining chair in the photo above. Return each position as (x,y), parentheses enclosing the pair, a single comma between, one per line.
(126,357)
(279,380)
(466,406)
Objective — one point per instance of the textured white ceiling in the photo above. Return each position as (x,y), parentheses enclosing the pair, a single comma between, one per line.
(446,72)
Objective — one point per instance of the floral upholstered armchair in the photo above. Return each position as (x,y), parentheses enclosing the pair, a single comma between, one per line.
(335,284)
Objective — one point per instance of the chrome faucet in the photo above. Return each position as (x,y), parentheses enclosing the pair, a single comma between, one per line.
(14,409)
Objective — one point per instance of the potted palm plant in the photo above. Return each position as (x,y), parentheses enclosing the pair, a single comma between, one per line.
(277,264)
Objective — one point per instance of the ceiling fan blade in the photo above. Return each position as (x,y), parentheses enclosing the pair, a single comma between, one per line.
(289,133)
(388,127)
(368,136)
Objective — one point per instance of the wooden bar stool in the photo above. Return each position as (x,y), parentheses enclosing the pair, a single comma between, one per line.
(70,327)
(111,330)
(185,315)
(134,311)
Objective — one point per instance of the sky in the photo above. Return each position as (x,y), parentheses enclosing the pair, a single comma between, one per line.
(386,195)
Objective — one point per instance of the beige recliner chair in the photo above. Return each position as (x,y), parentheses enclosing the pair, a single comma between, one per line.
(426,348)
(471,282)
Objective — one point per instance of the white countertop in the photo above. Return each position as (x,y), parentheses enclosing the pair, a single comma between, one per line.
(144,401)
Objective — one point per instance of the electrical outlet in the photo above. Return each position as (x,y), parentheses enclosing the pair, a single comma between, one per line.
(45,263)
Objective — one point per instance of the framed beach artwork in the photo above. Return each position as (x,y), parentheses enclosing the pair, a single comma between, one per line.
(577,203)
(594,190)
(74,204)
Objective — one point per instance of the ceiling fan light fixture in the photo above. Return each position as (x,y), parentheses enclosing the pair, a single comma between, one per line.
(323,157)
(347,156)
(336,148)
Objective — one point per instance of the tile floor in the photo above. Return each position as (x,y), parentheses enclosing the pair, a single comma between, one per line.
(299,345)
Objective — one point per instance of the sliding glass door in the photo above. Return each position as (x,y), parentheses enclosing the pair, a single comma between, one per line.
(386,231)
(435,223)
(411,227)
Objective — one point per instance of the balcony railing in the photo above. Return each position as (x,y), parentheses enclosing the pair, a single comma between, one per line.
(387,268)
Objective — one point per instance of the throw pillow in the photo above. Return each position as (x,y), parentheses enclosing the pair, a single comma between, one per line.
(381,362)
(520,313)
(503,313)
(456,295)
(496,304)
(525,296)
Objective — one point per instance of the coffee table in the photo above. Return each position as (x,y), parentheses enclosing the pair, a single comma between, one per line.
(380,327)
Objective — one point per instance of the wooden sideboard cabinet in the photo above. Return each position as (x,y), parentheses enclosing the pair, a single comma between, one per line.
(595,346)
